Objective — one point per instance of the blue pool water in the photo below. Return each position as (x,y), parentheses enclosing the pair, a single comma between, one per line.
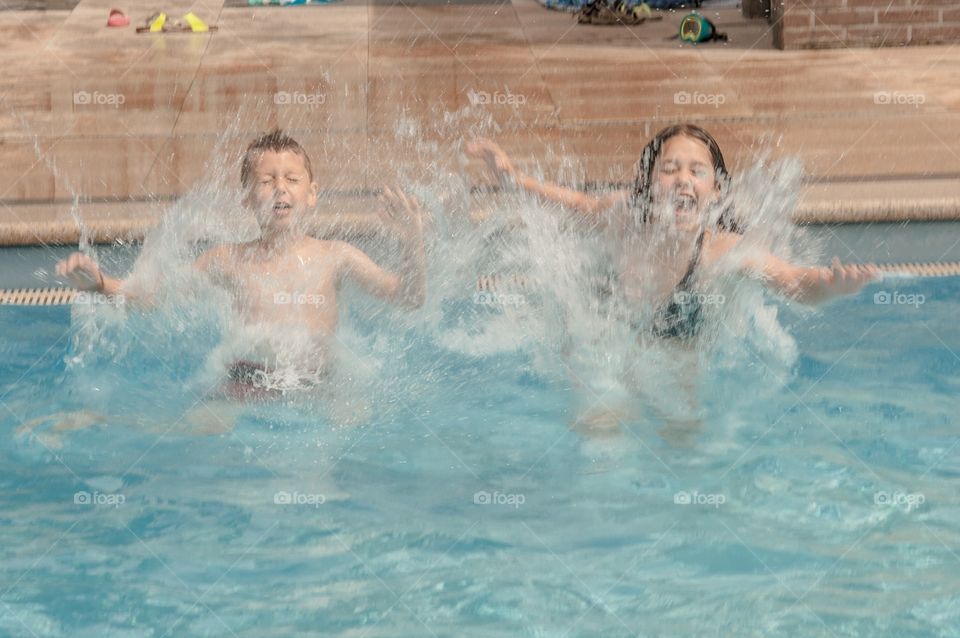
(468,507)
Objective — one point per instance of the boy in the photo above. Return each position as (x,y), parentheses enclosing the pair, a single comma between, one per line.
(285,282)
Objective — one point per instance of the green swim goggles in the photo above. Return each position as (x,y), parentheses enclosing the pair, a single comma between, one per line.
(696,28)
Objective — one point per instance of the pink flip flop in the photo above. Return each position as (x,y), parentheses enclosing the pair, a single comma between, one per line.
(117,19)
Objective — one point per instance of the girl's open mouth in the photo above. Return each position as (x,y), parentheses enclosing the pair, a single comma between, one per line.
(685,204)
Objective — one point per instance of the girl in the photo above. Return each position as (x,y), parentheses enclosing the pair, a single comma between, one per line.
(681,178)
(674,234)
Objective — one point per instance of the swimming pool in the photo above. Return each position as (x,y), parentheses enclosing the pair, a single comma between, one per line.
(468,507)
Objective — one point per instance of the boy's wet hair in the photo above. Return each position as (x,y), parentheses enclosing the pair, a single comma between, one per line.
(642,196)
(276,141)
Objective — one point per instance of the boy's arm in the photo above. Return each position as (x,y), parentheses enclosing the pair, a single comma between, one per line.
(501,166)
(210,262)
(83,273)
(403,217)
(807,285)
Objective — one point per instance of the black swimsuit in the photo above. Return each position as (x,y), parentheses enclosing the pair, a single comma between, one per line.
(679,318)
(682,317)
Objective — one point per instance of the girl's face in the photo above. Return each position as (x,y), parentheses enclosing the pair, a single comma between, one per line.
(684,177)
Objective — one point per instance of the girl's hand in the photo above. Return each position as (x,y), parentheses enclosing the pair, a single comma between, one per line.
(81,272)
(497,161)
(847,280)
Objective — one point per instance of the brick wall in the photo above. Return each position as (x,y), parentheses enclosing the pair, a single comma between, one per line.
(814,24)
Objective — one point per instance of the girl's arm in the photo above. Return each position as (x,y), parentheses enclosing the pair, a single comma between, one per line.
(501,166)
(813,285)
(807,285)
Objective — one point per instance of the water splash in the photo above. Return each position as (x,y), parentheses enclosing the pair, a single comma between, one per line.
(550,301)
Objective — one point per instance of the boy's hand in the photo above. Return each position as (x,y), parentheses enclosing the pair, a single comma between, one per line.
(81,272)
(497,161)
(401,213)
(849,279)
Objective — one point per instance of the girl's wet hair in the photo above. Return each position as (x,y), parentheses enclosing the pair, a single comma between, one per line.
(642,197)
(276,141)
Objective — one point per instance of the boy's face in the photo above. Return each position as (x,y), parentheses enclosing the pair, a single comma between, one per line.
(685,177)
(280,189)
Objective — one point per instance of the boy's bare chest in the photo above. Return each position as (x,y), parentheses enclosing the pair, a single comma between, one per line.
(258,281)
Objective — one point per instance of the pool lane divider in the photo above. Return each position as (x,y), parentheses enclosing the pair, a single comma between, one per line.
(487,283)
(38,296)
(131,230)
(925,269)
